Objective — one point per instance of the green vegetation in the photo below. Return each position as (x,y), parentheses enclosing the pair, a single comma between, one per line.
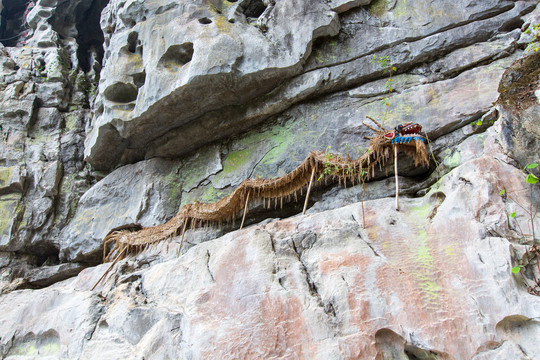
(481,122)
(377,8)
(328,167)
(532,253)
(534,45)
(85,85)
(385,63)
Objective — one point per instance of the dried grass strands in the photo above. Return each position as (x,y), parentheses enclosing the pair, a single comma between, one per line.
(245,211)
(229,207)
(182,239)
(108,269)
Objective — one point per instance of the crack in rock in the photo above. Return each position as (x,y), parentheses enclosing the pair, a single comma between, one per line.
(328,308)
(208,266)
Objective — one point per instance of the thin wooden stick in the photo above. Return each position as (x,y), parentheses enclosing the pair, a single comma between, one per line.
(109,269)
(182,239)
(376,122)
(308,190)
(245,210)
(396,176)
(363,212)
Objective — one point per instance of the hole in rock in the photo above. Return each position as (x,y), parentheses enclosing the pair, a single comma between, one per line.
(254,8)
(132,39)
(176,56)
(416,353)
(205,21)
(13,26)
(232,1)
(391,345)
(121,92)
(231,21)
(139,79)
(49,258)
(437,197)
(512,24)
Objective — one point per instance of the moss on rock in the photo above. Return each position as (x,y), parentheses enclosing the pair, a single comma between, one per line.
(9,210)
(378,8)
(518,84)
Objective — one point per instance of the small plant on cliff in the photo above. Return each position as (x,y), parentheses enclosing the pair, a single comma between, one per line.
(384,62)
(328,166)
(532,253)
(331,169)
(535,42)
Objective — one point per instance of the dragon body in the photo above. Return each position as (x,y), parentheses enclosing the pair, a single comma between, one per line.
(317,165)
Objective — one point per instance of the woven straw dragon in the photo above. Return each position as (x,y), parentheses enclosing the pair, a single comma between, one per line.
(383,147)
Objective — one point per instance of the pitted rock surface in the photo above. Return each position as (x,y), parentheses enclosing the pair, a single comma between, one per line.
(173,102)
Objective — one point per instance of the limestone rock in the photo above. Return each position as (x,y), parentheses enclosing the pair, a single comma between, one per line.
(21,275)
(39,131)
(211,56)
(341,6)
(12,179)
(133,194)
(180,101)
(318,286)
(342,69)
(441,107)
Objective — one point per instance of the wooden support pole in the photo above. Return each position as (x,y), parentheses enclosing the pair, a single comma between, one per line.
(308,191)
(245,210)
(182,238)
(396,176)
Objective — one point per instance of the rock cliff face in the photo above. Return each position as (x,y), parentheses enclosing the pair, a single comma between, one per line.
(120,112)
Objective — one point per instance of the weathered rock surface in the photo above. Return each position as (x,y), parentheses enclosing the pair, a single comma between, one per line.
(182,101)
(44,111)
(180,62)
(333,122)
(320,286)
(133,195)
(124,130)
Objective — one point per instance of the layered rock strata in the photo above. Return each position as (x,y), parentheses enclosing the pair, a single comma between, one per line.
(175,102)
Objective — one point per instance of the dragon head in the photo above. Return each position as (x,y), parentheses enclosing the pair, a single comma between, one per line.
(403,130)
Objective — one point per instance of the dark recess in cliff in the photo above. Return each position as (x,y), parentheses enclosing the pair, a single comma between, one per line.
(81,21)
(90,37)
(12,21)
(254,8)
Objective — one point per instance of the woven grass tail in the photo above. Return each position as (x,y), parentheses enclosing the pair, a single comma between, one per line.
(123,242)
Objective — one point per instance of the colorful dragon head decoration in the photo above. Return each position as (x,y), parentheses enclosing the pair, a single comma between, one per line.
(405,133)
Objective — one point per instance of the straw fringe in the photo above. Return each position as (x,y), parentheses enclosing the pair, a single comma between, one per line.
(133,238)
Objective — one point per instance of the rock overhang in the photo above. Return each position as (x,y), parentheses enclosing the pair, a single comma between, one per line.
(191,61)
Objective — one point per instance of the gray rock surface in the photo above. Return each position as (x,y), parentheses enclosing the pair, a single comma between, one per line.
(408,48)
(176,102)
(219,58)
(129,195)
(319,286)
(43,117)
